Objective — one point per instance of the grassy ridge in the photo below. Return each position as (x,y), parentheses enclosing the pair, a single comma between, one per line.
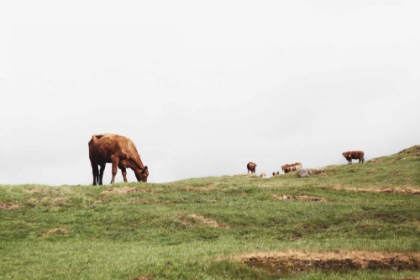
(188,229)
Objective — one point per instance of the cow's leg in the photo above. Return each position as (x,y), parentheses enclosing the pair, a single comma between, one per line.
(123,171)
(101,173)
(95,172)
(115,160)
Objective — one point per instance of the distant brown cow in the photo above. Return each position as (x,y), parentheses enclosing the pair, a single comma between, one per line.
(291,167)
(118,150)
(251,167)
(360,155)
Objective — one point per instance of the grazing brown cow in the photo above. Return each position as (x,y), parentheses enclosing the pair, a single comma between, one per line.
(251,167)
(291,167)
(360,155)
(118,150)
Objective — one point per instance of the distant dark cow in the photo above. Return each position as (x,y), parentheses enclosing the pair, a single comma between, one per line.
(360,155)
(251,167)
(276,173)
(291,167)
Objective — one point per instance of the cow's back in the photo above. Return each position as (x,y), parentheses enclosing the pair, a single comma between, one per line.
(103,146)
(251,166)
(356,154)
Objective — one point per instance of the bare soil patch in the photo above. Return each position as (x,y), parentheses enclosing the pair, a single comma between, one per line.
(299,197)
(120,190)
(192,219)
(8,206)
(292,262)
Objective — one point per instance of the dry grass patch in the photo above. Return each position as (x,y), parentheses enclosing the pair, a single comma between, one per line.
(192,219)
(375,160)
(38,190)
(141,201)
(8,206)
(48,201)
(55,231)
(294,261)
(299,197)
(204,188)
(405,190)
(120,190)
(141,278)
(52,199)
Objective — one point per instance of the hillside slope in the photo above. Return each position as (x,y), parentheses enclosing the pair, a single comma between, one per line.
(359,221)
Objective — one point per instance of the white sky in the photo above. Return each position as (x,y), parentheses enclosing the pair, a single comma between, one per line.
(204,87)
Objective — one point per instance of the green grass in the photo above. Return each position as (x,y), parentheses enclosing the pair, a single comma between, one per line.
(154,230)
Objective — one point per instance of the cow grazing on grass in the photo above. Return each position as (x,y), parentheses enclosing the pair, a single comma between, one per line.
(251,167)
(118,150)
(291,167)
(276,173)
(350,155)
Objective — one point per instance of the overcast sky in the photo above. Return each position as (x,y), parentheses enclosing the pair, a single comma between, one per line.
(204,87)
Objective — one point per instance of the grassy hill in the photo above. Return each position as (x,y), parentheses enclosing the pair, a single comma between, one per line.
(348,222)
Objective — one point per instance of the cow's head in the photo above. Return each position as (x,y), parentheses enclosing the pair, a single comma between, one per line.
(142,174)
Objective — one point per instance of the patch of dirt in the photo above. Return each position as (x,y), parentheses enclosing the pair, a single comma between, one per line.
(120,190)
(8,206)
(292,262)
(299,197)
(54,231)
(202,220)
(404,190)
